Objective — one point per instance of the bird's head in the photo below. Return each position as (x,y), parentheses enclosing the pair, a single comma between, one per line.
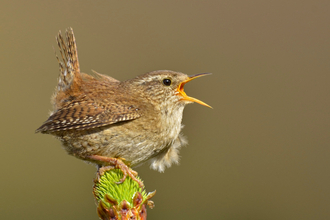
(166,88)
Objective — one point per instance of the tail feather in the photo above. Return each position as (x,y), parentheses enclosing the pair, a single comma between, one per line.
(69,64)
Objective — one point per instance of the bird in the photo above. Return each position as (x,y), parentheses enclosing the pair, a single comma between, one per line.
(117,124)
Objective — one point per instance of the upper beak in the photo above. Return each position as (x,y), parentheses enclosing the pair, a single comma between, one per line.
(184,95)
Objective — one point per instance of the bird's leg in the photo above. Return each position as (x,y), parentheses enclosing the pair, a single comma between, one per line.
(119,164)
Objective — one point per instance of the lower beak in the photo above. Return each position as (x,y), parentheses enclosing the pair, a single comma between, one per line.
(184,95)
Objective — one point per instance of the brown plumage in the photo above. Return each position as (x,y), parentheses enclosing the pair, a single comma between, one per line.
(105,121)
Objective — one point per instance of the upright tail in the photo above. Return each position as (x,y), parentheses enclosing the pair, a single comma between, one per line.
(69,64)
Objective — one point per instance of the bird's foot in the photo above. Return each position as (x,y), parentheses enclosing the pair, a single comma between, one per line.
(119,164)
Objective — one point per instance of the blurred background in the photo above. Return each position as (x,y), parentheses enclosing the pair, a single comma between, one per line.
(262,152)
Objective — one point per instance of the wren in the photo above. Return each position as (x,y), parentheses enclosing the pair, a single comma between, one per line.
(117,124)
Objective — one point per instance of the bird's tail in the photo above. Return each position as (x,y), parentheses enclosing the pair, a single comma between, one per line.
(69,64)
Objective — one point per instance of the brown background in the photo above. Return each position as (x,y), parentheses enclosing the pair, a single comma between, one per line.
(261,153)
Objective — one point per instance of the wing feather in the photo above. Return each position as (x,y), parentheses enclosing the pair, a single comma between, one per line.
(82,115)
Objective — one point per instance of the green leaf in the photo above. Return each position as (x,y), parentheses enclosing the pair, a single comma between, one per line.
(107,184)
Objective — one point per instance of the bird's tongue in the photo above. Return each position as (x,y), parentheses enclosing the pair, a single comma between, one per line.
(184,95)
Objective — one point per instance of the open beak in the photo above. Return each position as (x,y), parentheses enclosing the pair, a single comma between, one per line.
(184,95)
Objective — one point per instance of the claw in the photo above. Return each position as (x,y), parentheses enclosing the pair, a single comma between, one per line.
(119,164)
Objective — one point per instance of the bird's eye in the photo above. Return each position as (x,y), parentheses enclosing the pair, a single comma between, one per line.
(167,82)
